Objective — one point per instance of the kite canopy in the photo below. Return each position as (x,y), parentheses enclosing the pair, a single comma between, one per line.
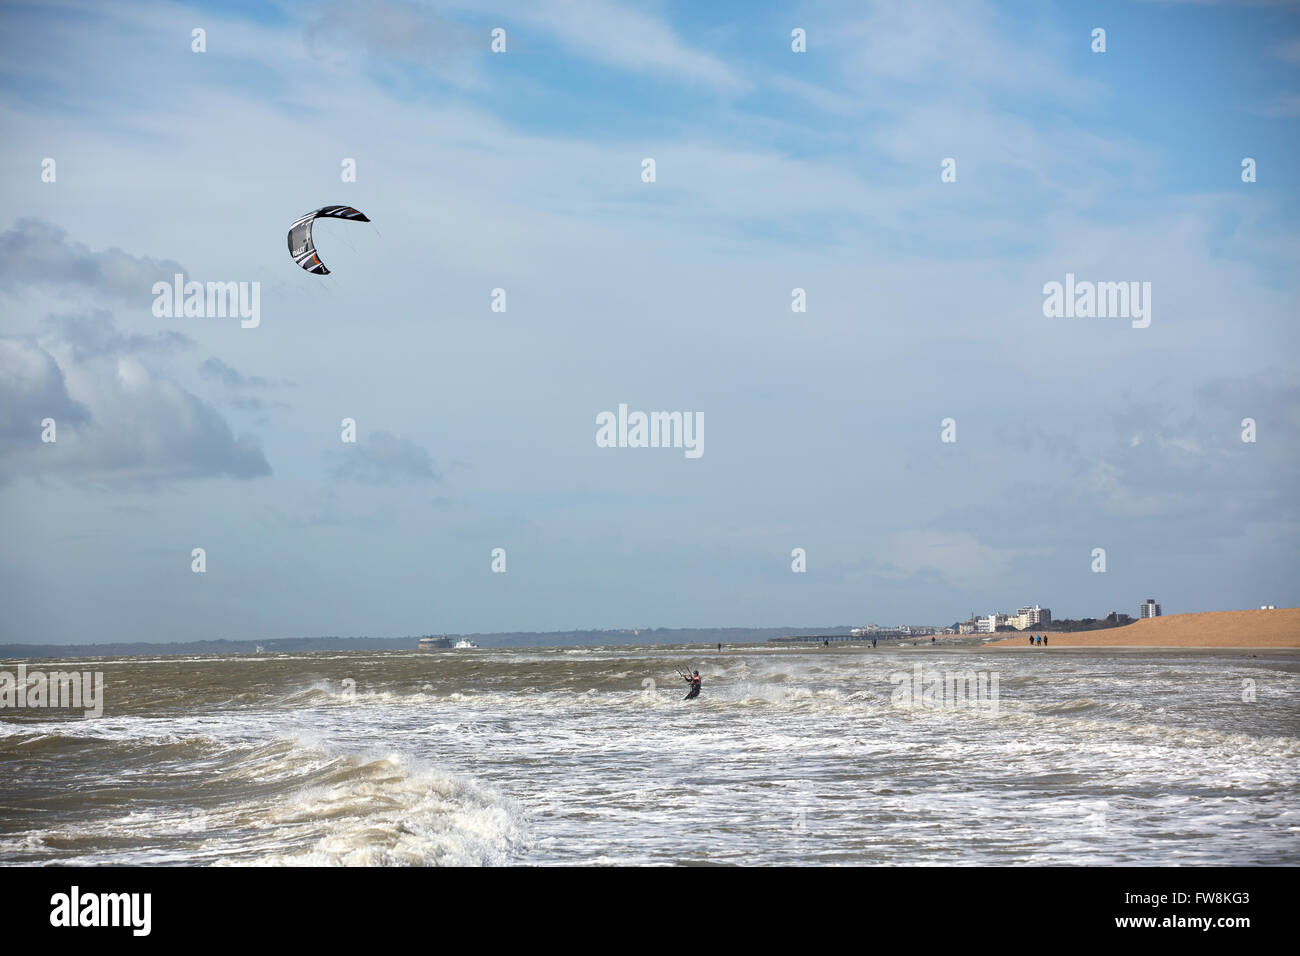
(301,246)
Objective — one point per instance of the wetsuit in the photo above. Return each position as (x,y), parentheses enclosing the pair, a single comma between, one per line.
(694,692)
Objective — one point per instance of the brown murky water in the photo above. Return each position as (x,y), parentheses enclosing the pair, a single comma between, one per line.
(557,756)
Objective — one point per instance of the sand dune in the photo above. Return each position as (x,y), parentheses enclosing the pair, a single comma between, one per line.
(1276,628)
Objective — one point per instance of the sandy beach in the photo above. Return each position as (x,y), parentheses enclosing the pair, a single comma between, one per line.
(1275,628)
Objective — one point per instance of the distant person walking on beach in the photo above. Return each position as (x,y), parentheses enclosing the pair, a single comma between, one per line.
(1031,638)
(1044,638)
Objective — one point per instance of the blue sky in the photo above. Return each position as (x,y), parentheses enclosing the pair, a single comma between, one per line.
(521,171)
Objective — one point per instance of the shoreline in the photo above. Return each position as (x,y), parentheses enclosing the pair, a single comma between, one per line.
(1260,630)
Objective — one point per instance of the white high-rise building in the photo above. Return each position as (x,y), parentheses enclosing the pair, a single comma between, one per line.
(1149,609)
(1035,615)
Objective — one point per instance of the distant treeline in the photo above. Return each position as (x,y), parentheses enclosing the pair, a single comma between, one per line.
(300,645)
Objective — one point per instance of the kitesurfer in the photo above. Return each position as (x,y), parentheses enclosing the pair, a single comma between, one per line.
(694,680)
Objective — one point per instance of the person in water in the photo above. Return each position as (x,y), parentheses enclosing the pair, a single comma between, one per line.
(694,680)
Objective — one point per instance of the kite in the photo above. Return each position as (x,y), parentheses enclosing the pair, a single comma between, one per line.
(303,249)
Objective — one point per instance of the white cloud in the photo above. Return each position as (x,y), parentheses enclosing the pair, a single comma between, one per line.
(383,457)
(627,39)
(116,418)
(967,49)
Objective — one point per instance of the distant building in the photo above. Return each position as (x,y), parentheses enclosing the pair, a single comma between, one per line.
(1035,615)
(1027,616)
(1149,609)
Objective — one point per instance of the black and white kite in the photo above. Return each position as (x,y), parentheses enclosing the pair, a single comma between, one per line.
(303,249)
